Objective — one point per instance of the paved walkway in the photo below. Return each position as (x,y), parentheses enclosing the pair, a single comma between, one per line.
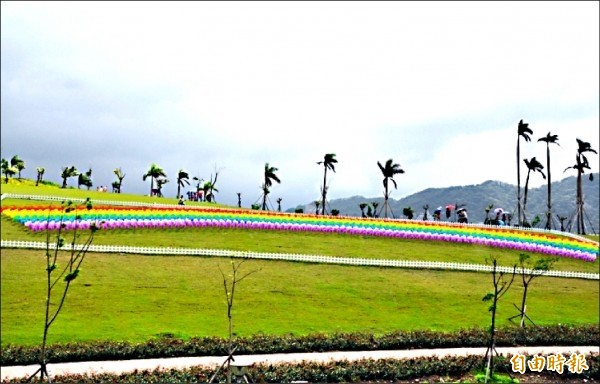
(123,366)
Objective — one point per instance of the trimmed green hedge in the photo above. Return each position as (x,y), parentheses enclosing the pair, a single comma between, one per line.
(554,335)
(368,370)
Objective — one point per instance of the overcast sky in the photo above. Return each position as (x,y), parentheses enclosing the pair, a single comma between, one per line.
(437,87)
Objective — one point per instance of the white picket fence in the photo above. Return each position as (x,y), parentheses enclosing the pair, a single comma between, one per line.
(415,264)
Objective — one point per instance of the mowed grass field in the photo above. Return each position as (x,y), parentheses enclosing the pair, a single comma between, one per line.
(137,298)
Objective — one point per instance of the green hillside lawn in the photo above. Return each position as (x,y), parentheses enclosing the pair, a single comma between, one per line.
(135,298)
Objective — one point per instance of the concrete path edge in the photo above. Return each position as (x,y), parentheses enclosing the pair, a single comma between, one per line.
(124,366)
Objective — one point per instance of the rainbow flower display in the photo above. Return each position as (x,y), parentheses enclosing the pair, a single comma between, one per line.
(41,218)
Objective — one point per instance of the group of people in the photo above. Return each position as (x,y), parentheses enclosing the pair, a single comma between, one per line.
(195,196)
(502,218)
(463,217)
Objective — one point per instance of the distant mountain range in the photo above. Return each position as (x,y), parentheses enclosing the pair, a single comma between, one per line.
(477,197)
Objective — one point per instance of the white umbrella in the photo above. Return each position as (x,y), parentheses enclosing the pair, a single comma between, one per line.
(498,211)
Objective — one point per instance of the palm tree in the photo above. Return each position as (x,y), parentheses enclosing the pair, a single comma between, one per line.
(328,163)
(549,139)
(210,187)
(85,179)
(239,195)
(562,222)
(68,172)
(182,180)
(425,212)
(18,164)
(581,164)
(362,207)
(154,172)
(389,170)
(208,190)
(375,205)
(7,170)
(535,166)
(159,184)
(269,177)
(120,175)
(522,130)
(40,175)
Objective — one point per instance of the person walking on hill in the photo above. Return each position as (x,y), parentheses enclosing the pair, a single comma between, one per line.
(462,216)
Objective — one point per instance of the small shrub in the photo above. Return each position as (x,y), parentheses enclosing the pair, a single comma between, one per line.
(553,335)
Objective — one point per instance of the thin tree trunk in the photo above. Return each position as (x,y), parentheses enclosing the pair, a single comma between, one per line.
(386,202)
(525,286)
(230,344)
(46,325)
(492,345)
(580,221)
(493,335)
(549,213)
(518,180)
(324,187)
(525,196)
